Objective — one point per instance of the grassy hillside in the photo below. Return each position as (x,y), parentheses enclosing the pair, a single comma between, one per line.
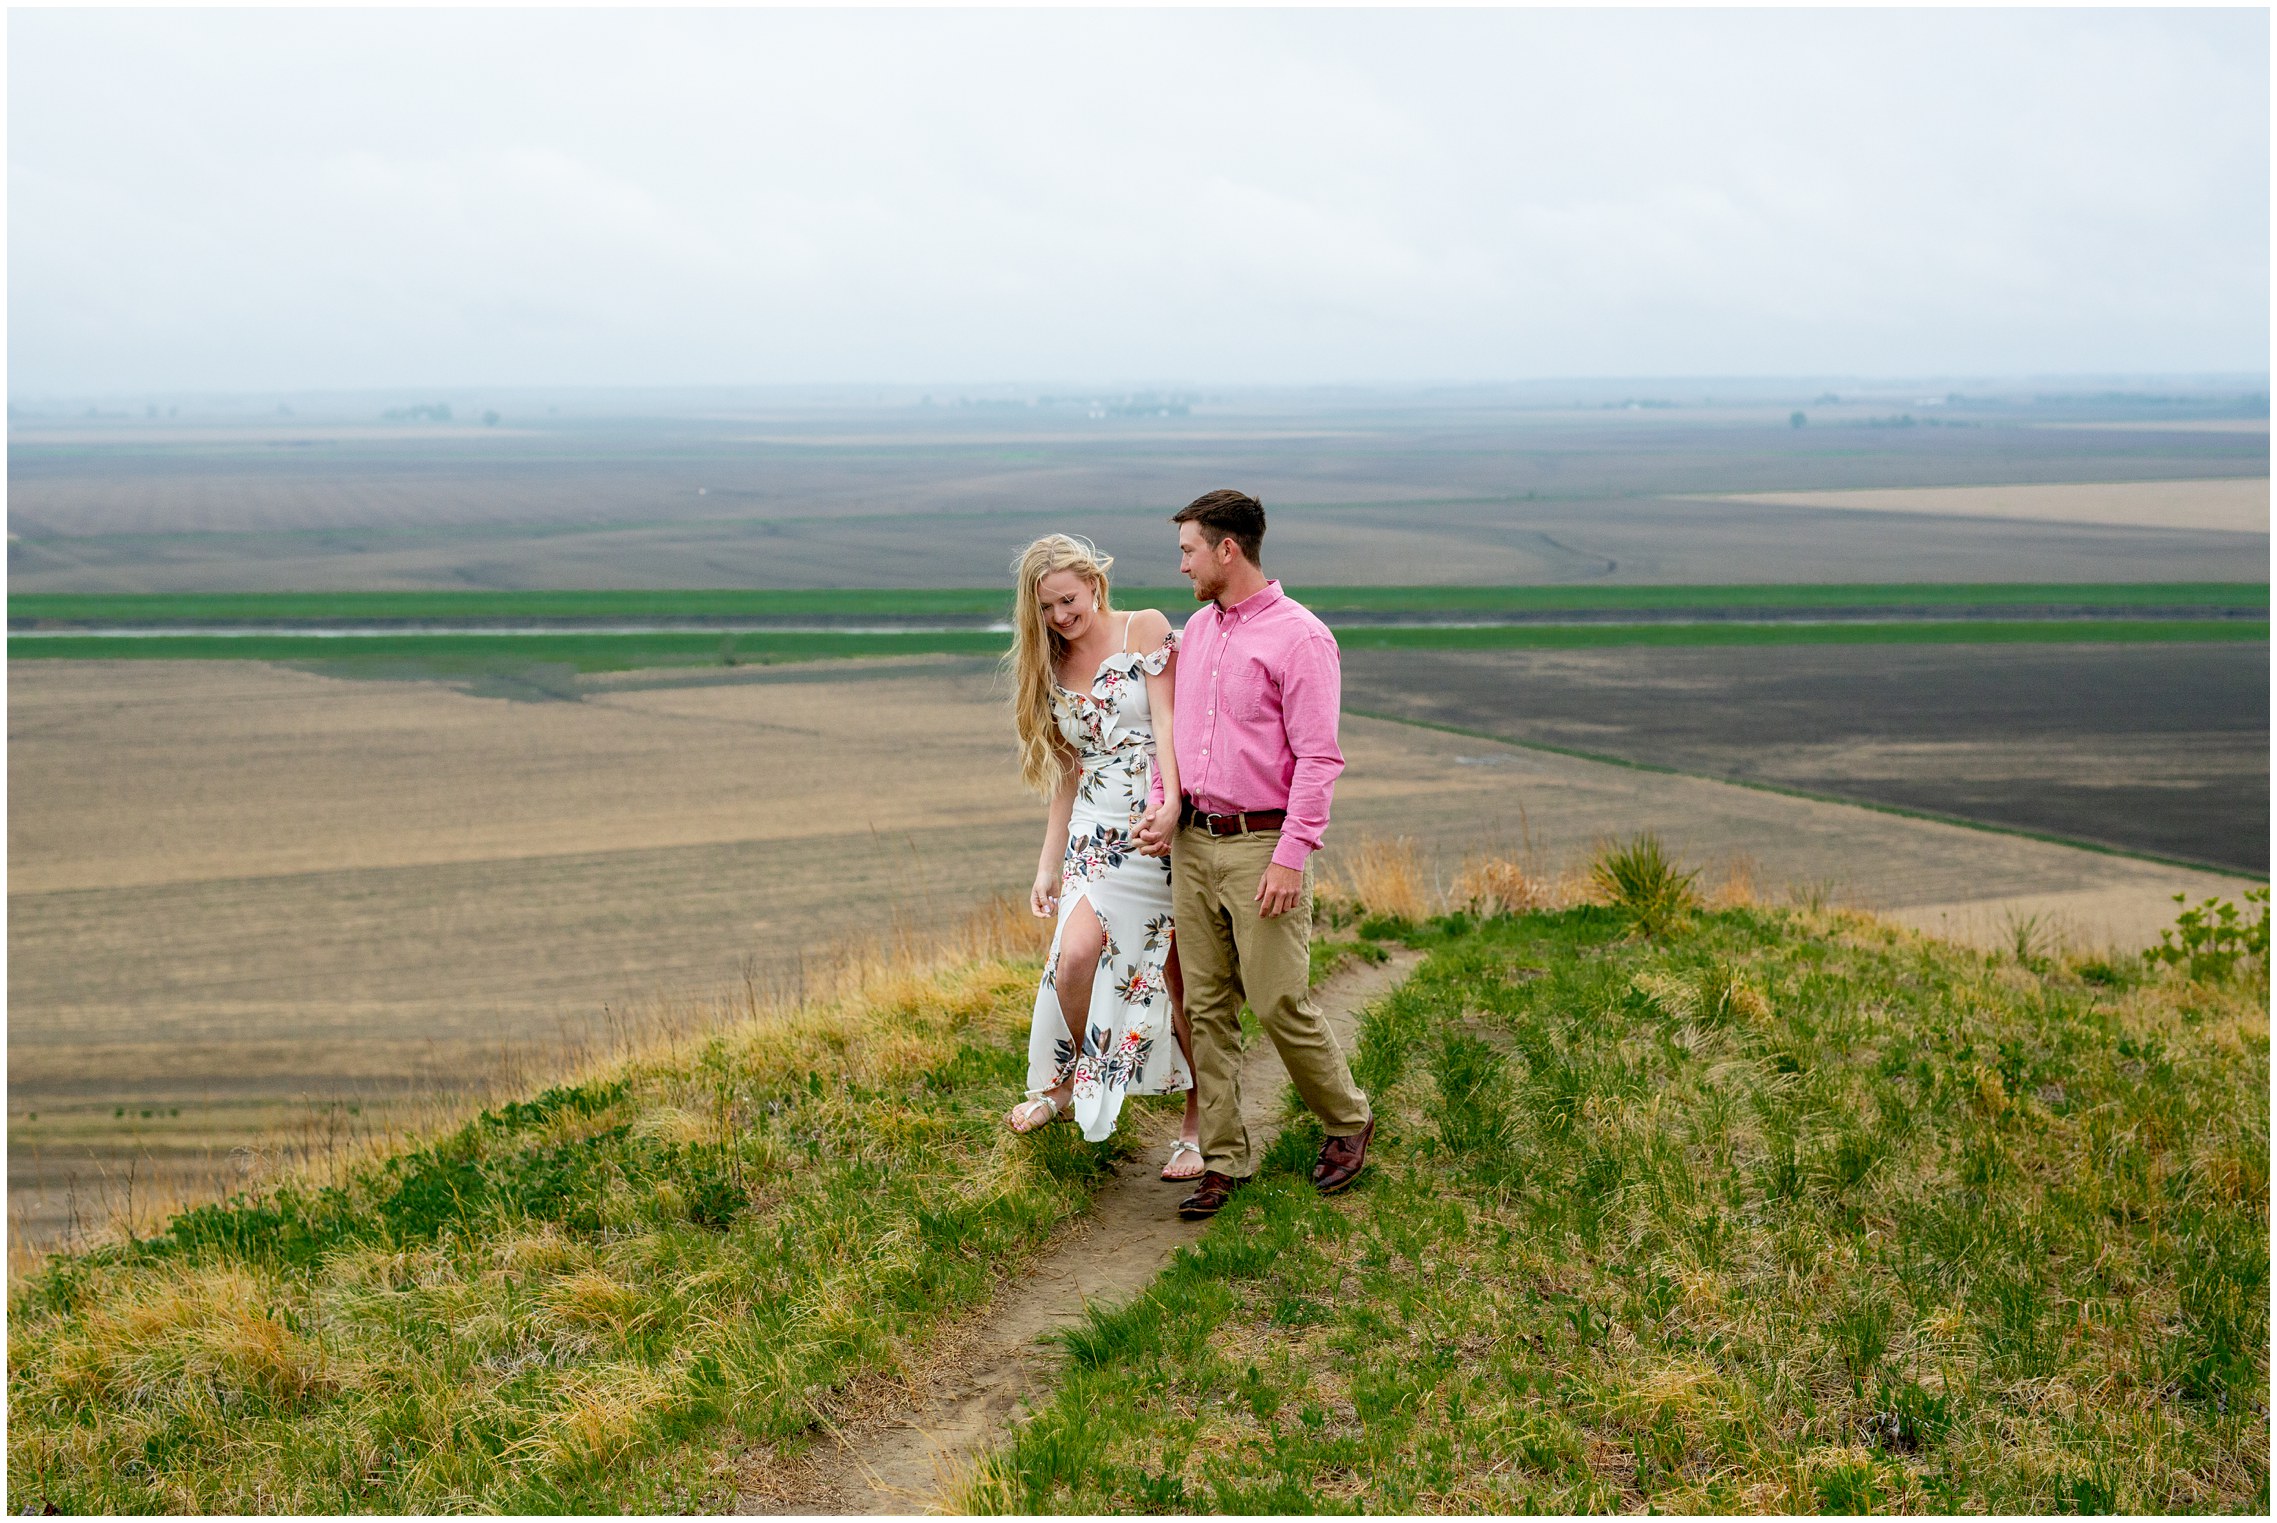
(1774,1209)
(574,1303)
(1784,1212)
(585,1300)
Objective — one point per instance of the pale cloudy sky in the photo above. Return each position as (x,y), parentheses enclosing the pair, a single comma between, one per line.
(261,200)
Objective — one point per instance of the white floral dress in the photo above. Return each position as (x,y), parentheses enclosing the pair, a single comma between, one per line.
(1128,1045)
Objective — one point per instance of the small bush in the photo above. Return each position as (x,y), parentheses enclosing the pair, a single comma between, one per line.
(1640,883)
(2210,940)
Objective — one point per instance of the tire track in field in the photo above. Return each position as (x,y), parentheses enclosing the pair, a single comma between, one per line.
(903,1460)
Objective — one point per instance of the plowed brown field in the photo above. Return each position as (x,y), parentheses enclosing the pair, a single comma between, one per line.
(242,896)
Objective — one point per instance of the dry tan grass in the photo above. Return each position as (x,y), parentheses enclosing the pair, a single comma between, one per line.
(205,1326)
(1386,875)
(1498,886)
(1735,884)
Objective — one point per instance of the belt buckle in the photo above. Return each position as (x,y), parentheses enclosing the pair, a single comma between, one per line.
(1210,824)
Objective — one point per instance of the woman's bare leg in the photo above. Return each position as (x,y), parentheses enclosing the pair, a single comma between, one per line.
(1081,941)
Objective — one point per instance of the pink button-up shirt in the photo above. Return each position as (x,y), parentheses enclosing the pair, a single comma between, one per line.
(1257,697)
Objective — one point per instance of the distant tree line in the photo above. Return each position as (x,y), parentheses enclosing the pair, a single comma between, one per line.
(432,412)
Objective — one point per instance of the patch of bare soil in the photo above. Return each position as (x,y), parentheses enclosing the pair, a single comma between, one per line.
(2233,505)
(905,1445)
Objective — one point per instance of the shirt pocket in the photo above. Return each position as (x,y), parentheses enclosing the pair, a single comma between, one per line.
(1255,700)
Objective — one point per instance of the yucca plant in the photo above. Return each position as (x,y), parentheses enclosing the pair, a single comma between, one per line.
(1638,881)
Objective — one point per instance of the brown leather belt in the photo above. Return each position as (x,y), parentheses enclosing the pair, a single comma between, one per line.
(1240,823)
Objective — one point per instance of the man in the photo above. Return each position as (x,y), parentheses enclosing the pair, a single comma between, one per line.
(1255,732)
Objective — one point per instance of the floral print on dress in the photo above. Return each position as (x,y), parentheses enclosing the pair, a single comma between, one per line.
(1094,856)
(1129,1060)
(1127,1045)
(1141,984)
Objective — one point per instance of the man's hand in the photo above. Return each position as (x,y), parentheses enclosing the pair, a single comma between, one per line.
(1155,830)
(1279,891)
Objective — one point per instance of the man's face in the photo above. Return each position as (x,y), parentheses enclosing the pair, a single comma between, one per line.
(1202,562)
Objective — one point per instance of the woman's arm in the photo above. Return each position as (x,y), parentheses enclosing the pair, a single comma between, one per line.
(1043,896)
(1161,698)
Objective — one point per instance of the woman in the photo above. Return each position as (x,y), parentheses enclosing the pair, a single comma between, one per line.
(1091,691)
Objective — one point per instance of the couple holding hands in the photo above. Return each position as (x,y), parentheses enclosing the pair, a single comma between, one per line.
(1177,872)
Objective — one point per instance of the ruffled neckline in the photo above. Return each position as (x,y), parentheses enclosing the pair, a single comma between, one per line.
(1151,662)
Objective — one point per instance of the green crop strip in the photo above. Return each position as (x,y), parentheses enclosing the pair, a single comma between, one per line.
(600,652)
(446,652)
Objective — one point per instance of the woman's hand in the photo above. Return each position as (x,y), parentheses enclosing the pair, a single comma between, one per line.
(1043,896)
(1157,829)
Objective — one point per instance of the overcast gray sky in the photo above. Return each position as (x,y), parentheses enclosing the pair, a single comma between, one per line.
(265,200)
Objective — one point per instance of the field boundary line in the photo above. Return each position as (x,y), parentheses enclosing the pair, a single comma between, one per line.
(1784,791)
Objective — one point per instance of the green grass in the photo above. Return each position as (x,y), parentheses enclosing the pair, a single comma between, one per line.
(256,607)
(575,1303)
(595,652)
(444,653)
(629,652)
(1788,1213)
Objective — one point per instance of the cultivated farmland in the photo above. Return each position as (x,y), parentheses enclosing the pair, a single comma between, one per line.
(2153,748)
(1489,488)
(242,895)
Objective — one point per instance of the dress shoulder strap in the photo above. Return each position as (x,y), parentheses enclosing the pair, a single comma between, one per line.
(1128,620)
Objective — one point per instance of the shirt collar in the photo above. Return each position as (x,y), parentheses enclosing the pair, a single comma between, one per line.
(1253,605)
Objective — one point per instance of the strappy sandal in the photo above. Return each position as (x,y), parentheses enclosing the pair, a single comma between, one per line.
(1181,1146)
(1053,1111)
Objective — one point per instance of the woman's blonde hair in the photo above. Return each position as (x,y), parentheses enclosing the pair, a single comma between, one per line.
(1037,649)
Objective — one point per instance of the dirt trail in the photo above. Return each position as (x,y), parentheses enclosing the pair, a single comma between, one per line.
(901,1460)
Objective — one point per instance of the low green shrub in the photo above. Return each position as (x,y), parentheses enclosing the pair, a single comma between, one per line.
(2211,941)
(1639,881)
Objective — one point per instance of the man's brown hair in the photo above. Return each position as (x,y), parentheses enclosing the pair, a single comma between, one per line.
(1227,512)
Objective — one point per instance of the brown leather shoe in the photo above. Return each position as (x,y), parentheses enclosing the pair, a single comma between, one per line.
(1342,1159)
(1210,1197)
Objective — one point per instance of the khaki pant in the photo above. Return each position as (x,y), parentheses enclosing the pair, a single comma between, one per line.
(1228,953)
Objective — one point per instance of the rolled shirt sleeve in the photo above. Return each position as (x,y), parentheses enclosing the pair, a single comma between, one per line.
(1312,686)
